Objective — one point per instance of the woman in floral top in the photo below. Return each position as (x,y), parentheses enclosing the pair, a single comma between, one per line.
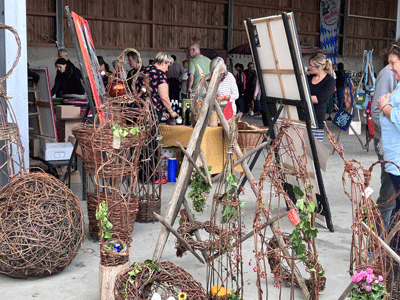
(159,85)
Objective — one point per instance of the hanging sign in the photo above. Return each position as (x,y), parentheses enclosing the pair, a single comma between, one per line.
(329,17)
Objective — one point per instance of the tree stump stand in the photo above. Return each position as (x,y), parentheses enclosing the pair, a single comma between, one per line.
(107,279)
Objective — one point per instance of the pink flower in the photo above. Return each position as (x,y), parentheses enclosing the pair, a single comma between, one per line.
(380,278)
(358,277)
(354,278)
(370,271)
(368,288)
(363,274)
(370,278)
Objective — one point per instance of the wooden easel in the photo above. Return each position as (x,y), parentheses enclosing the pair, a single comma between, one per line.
(271,101)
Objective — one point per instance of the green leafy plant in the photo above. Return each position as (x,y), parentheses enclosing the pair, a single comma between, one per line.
(200,190)
(124,131)
(137,268)
(109,246)
(304,229)
(230,191)
(105,224)
(234,297)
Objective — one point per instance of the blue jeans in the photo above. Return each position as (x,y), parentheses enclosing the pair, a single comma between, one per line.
(385,192)
(396,184)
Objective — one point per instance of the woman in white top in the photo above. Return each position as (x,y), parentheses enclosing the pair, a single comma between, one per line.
(227,90)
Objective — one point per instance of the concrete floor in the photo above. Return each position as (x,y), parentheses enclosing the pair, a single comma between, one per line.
(80,280)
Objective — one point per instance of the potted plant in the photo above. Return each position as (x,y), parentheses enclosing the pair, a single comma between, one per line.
(367,286)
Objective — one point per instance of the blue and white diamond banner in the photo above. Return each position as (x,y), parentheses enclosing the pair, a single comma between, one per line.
(330,10)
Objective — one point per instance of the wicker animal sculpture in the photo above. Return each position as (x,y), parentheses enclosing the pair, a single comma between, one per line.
(367,250)
(41,226)
(287,162)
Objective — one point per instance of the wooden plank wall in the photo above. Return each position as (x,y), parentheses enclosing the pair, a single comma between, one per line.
(171,25)
(366,33)
(306,15)
(40,16)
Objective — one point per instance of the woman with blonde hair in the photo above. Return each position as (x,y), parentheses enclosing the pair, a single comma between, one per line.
(159,85)
(321,85)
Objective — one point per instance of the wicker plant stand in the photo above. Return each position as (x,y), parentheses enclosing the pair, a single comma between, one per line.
(149,178)
(146,208)
(11,148)
(114,168)
(92,203)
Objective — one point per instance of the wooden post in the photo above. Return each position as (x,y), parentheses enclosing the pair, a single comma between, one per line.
(186,168)
(194,164)
(107,280)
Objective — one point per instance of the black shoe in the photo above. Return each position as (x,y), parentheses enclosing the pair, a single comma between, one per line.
(329,119)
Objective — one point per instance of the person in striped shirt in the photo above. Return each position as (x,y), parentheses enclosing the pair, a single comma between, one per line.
(227,91)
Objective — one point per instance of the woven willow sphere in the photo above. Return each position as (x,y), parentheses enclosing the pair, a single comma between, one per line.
(41,226)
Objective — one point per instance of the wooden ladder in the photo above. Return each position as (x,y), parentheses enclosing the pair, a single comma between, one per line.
(33,104)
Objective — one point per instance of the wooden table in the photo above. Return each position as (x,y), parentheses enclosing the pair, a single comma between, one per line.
(214,144)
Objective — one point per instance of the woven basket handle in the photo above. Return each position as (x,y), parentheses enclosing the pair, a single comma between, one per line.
(122,60)
(359,84)
(3,26)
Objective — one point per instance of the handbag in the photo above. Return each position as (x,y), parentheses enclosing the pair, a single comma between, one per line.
(343,118)
(371,126)
(360,94)
(228,110)
(369,81)
(363,94)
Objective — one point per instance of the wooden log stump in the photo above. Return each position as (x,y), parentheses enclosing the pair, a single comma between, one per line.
(107,279)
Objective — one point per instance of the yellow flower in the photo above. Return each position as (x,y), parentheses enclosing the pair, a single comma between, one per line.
(182,296)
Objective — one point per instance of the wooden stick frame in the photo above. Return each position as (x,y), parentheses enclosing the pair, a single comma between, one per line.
(177,198)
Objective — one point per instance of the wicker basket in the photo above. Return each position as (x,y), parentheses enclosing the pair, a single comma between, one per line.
(147,207)
(111,258)
(250,136)
(92,202)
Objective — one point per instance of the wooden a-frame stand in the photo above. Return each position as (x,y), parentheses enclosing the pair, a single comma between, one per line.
(192,152)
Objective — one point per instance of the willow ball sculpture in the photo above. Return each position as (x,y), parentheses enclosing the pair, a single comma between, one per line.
(41,226)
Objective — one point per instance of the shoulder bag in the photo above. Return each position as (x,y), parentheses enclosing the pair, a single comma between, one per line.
(343,118)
